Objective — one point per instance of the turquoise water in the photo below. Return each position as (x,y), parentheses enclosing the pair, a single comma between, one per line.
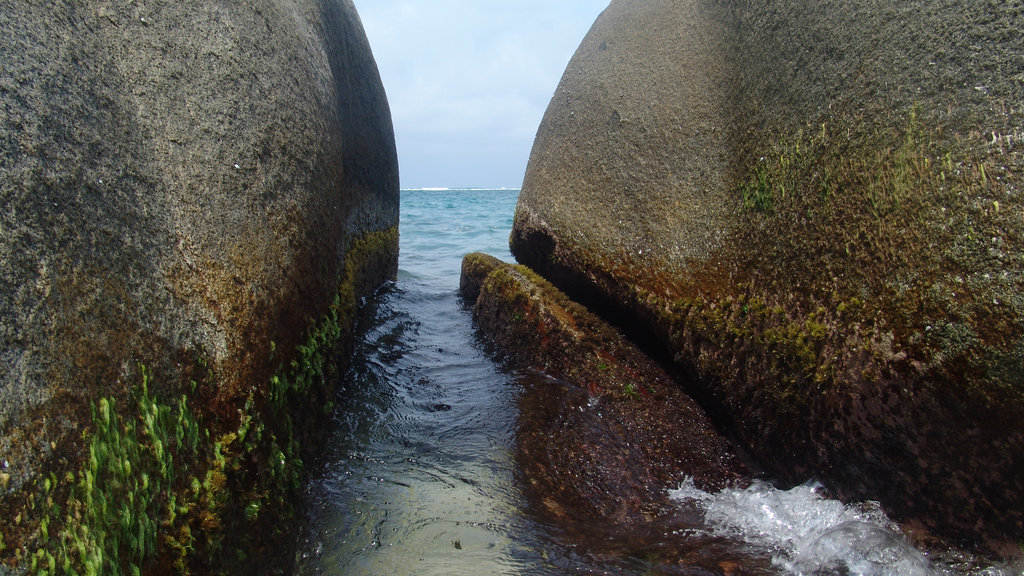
(419,475)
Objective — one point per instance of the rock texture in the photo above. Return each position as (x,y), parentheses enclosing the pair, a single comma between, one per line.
(182,186)
(603,430)
(812,211)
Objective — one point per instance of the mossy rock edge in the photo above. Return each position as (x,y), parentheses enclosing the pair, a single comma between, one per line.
(813,215)
(602,429)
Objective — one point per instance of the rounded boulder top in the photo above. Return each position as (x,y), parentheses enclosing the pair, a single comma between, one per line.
(814,209)
(183,186)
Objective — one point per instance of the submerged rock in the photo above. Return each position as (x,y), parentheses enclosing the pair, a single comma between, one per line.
(603,431)
(814,210)
(189,186)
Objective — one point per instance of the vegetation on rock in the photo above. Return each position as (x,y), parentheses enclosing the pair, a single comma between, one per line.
(603,429)
(812,214)
(164,486)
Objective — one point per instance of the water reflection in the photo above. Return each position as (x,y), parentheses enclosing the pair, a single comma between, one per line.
(420,475)
(418,478)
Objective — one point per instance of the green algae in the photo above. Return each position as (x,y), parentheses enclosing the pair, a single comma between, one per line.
(860,231)
(537,319)
(646,433)
(867,287)
(785,353)
(159,490)
(901,202)
(883,296)
(120,500)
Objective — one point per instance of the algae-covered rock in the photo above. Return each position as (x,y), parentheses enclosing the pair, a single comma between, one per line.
(186,186)
(814,209)
(603,431)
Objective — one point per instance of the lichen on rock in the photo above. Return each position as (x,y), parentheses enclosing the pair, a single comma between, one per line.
(198,188)
(813,212)
(603,431)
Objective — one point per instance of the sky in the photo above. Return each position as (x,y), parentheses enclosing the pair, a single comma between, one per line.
(468,81)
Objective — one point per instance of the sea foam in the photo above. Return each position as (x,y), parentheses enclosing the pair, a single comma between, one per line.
(806,533)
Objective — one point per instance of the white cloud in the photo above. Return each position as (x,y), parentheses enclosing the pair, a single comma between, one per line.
(468,81)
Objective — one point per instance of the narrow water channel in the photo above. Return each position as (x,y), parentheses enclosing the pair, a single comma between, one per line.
(419,475)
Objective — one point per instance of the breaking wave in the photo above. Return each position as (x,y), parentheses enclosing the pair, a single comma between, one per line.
(808,534)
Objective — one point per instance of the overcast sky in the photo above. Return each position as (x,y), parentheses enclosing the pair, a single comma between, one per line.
(468,81)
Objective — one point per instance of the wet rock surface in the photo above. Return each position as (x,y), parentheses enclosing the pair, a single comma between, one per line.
(183,185)
(812,212)
(603,431)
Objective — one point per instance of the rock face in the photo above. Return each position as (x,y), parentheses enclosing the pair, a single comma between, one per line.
(185,186)
(812,211)
(603,430)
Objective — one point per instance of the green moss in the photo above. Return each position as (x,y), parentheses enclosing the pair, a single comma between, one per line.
(759,193)
(158,491)
(900,219)
(630,391)
(118,501)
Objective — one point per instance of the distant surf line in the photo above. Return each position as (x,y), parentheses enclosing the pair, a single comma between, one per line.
(445,189)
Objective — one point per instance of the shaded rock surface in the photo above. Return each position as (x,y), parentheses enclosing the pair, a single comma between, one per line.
(812,211)
(603,432)
(182,185)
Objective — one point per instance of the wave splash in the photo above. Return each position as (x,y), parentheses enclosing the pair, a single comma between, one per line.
(806,533)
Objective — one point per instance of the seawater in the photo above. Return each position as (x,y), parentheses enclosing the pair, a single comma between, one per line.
(419,475)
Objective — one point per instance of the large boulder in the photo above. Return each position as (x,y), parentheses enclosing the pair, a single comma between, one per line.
(812,211)
(603,430)
(187,186)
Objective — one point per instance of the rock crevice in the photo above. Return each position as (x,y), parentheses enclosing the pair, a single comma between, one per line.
(809,209)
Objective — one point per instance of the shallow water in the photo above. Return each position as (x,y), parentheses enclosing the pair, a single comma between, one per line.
(419,477)
(419,474)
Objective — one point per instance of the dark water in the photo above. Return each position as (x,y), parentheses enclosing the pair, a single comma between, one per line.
(420,476)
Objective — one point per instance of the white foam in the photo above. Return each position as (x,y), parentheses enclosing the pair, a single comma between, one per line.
(807,534)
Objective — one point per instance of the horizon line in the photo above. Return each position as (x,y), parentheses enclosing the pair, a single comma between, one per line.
(459,189)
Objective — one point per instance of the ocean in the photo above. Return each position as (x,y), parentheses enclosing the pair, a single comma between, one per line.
(418,475)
